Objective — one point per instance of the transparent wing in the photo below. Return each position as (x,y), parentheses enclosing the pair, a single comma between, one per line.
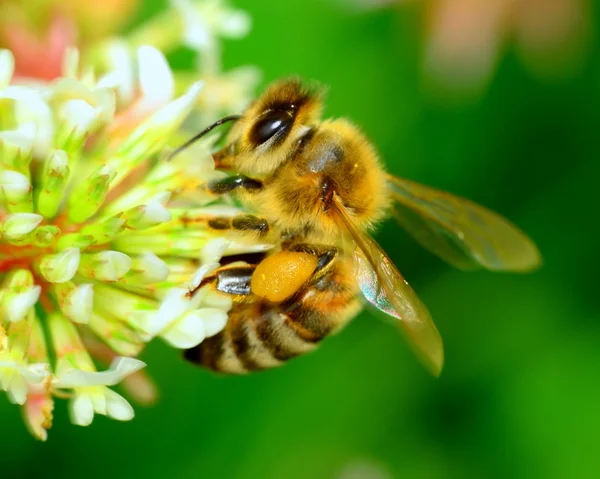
(459,231)
(384,287)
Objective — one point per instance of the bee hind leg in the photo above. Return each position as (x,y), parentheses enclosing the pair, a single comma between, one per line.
(324,253)
(236,280)
(231,280)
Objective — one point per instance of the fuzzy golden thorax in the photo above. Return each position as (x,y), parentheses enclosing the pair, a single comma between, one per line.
(331,161)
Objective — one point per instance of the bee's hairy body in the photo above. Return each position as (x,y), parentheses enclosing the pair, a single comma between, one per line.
(301,167)
(317,188)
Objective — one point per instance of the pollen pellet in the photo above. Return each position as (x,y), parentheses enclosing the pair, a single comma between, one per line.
(279,276)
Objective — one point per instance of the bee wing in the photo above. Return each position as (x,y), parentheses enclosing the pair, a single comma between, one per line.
(384,287)
(461,232)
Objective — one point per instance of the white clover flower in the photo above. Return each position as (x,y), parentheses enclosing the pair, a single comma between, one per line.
(96,253)
(95,245)
(205,21)
(199,25)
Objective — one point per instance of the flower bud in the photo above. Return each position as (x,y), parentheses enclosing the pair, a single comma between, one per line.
(60,267)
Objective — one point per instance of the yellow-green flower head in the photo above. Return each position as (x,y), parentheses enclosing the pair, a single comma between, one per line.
(99,245)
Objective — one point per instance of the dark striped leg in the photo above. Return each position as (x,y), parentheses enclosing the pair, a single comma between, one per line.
(231,280)
(243,223)
(231,183)
(325,253)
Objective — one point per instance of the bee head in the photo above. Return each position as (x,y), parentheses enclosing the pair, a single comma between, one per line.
(269,130)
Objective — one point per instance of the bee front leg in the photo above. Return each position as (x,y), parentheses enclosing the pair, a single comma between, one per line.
(235,182)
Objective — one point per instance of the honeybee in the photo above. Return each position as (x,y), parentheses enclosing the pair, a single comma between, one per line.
(316,189)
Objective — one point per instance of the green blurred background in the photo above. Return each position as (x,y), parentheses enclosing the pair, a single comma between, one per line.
(520,393)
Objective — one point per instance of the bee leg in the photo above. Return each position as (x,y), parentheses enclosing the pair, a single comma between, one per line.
(227,185)
(325,254)
(234,281)
(243,223)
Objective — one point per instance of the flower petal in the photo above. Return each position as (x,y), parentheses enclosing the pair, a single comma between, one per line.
(81,410)
(20,224)
(119,368)
(60,267)
(153,132)
(7,67)
(187,332)
(37,412)
(13,184)
(193,327)
(79,303)
(105,266)
(16,306)
(147,269)
(214,320)
(156,79)
(117,406)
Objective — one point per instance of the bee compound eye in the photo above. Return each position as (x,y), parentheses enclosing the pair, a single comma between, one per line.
(270,124)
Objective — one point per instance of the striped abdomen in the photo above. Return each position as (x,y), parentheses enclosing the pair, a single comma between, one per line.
(260,335)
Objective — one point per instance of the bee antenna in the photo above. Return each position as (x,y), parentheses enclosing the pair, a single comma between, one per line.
(206,130)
